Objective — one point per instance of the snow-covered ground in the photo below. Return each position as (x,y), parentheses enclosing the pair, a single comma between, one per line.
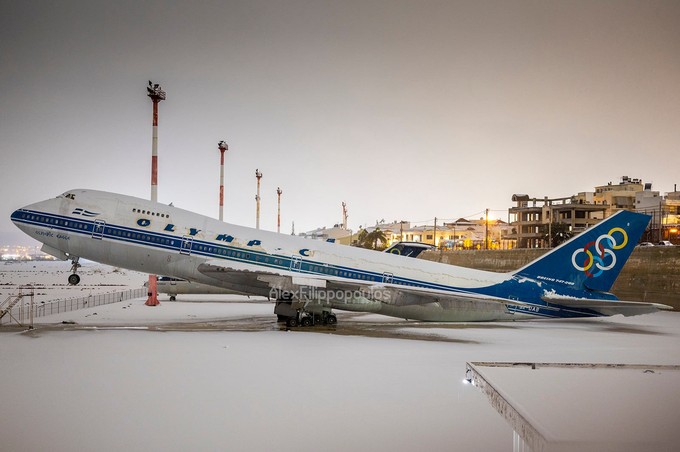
(218,373)
(49,279)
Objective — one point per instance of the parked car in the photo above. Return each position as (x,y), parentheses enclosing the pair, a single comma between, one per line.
(645,244)
(664,243)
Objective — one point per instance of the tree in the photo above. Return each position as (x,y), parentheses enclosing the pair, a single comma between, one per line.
(370,240)
(377,235)
(559,233)
(361,238)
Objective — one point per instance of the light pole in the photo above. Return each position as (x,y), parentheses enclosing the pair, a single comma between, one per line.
(156,94)
(222,146)
(278,214)
(434,241)
(258,175)
(486,229)
(344,215)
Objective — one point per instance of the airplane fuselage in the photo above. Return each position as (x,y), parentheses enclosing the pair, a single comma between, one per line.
(137,234)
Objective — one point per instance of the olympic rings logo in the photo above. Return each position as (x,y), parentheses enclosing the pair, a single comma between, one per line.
(598,256)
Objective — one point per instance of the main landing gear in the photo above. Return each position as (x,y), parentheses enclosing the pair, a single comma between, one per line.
(298,313)
(74,279)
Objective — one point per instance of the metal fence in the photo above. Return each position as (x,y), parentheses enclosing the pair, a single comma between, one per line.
(22,311)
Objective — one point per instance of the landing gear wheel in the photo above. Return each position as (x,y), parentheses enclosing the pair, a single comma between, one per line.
(292,322)
(331,320)
(173,298)
(306,321)
(74,279)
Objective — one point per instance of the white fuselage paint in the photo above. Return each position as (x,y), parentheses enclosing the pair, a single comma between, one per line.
(156,223)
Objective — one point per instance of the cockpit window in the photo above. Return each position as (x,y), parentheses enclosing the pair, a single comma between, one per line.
(148,212)
(408,249)
(67,195)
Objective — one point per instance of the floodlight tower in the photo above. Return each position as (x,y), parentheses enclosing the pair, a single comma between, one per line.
(222,146)
(278,215)
(258,175)
(344,215)
(156,94)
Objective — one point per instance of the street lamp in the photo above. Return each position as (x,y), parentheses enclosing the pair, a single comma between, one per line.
(278,214)
(258,175)
(222,146)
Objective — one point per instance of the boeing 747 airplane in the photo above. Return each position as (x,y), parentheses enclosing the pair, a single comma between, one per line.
(309,278)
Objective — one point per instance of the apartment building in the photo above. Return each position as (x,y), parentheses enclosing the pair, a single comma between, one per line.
(534,220)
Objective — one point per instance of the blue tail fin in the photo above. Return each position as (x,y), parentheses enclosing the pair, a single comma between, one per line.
(593,259)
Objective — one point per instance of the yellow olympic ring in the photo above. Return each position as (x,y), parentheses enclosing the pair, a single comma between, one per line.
(625,238)
(590,260)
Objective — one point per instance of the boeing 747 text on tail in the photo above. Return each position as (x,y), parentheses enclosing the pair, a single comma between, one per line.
(309,278)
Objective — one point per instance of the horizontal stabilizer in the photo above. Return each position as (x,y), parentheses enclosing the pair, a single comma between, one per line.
(609,307)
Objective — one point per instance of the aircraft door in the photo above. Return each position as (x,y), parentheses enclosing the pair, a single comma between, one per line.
(98,229)
(185,246)
(295,263)
(387,277)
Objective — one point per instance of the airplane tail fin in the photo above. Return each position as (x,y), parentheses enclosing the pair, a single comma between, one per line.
(593,259)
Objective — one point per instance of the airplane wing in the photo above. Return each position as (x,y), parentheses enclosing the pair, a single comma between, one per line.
(400,295)
(289,281)
(240,273)
(609,307)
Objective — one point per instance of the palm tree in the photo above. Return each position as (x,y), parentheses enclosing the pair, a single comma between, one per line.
(372,238)
(369,240)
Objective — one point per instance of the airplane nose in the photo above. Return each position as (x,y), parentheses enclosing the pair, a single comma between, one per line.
(18,215)
(27,215)
(21,219)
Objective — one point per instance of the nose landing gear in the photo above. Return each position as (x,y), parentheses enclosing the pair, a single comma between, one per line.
(74,279)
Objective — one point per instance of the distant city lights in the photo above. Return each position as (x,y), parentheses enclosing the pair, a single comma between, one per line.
(23,253)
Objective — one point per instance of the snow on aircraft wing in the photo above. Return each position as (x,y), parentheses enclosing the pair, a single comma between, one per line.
(257,275)
(399,295)
(291,281)
(609,307)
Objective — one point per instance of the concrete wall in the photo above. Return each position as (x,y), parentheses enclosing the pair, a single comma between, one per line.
(651,274)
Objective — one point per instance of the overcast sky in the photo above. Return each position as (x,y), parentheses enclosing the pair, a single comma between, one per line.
(403,109)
